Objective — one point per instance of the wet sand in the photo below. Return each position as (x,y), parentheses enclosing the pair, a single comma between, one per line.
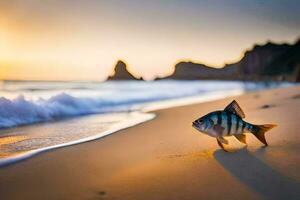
(167,159)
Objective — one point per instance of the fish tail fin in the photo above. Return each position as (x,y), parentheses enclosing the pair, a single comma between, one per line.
(260,130)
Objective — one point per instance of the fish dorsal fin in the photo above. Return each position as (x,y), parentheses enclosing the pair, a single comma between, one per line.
(234,107)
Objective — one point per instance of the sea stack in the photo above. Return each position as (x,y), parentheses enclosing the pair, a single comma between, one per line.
(121,73)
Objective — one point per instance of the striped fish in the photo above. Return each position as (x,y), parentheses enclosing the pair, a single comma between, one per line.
(229,122)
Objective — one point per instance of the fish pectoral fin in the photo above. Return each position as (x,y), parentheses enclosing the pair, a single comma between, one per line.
(222,140)
(234,107)
(221,145)
(218,129)
(241,138)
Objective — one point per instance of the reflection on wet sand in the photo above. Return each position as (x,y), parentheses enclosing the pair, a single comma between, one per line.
(4,141)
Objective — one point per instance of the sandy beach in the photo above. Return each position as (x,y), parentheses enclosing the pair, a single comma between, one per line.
(166,158)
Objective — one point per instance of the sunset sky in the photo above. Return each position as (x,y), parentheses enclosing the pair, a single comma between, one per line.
(82,40)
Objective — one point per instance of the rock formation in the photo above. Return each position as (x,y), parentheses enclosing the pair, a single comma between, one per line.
(263,62)
(194,71)
(121,73)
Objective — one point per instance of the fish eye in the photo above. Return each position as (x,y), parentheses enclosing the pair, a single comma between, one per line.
(200,121)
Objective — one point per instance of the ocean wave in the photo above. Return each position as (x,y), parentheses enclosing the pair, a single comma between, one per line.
(20,111)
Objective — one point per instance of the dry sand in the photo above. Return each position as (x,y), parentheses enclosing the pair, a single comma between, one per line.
(167,159)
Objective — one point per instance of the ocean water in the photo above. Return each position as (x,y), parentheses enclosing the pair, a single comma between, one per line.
(38,116)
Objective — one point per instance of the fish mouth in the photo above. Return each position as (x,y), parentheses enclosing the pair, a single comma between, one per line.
(195,125)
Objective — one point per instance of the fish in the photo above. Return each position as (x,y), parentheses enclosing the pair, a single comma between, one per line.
(230,122)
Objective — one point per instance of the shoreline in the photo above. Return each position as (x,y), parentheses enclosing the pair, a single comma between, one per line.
(147,113)
(146,109)
(143,117)
(166,158)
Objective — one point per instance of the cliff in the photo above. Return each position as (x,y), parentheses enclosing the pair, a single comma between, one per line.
(279,61)
(263,62)
(194,71)
(121,73)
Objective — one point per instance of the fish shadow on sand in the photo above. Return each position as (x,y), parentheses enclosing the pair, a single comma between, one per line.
(258,175)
